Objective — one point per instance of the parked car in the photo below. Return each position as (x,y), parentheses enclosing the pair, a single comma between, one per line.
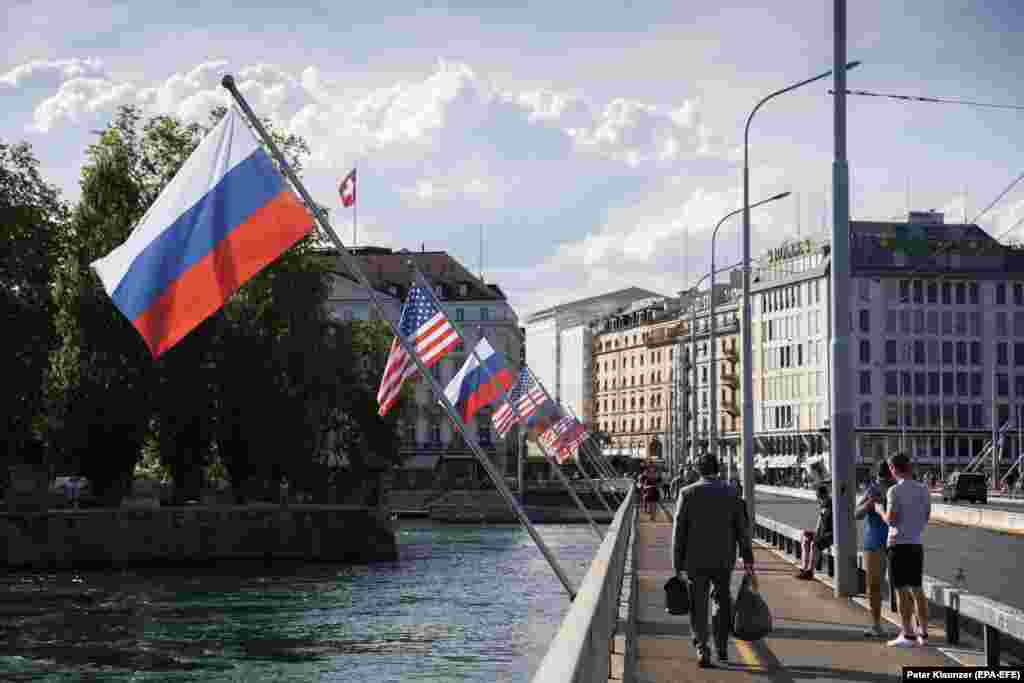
(965,486)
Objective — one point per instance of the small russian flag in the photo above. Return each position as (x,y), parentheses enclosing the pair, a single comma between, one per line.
(224,216)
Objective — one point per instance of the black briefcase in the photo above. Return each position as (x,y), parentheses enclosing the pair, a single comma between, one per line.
(677,598)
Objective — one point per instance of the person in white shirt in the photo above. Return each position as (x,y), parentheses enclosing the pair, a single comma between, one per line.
(908,508)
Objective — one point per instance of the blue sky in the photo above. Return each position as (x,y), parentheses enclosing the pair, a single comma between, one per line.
(597,143)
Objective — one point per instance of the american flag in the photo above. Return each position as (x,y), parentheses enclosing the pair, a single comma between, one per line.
(425,327)
(563,438)
(504,417)
(347,189)
(532,398)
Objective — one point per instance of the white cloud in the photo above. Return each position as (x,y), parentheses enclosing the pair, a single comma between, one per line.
(51,72)
(80,96)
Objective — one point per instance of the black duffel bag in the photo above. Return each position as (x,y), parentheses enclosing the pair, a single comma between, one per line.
(677,598)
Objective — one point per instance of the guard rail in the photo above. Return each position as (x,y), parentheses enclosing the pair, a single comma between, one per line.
(996,619)
(582,649)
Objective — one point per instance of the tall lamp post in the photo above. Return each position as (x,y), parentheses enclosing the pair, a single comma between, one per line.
(713,436)
(748,349)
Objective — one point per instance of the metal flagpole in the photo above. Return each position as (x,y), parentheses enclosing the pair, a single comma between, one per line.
(595,463)
(355,209)
(480,363)
(228,82)
(597,460)
(548,397)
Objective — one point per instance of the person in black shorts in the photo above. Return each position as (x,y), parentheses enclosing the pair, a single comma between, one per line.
(907,512)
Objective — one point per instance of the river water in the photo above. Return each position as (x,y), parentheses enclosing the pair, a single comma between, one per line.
(463,603)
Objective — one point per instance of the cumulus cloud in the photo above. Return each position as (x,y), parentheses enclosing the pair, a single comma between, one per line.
(51,73)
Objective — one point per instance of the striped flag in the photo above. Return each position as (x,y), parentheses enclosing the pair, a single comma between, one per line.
(428,330)
(504,417)
(563,438)
(224,216)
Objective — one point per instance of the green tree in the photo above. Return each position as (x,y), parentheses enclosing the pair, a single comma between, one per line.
(255,386)
(31,213)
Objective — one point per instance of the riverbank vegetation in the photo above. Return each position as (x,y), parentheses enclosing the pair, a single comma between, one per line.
(270,386)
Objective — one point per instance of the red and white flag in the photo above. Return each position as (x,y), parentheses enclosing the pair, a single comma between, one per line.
(347,189)
(428,330)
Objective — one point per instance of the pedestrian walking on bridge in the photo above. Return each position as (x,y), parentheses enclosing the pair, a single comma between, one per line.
(710,525)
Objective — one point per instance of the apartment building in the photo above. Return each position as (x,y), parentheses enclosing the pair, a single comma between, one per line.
(633,377)
(936,368)
(790,370)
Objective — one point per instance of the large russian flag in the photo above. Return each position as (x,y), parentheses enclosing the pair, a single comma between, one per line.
(476,385)
(224,216)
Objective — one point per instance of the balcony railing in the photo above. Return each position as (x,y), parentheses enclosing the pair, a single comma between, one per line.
(731,408)
(730,379)
(731,353)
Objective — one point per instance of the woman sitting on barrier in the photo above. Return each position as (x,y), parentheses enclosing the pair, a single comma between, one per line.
(814,542)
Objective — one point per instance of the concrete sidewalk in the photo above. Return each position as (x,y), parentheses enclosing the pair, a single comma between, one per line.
(816,636)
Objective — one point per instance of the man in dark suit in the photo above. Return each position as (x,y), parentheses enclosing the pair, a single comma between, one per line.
(710,524)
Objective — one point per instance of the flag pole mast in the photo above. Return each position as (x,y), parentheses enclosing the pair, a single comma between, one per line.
(598,466)
(355,207)
(418,274)
(542,387)
(228,82)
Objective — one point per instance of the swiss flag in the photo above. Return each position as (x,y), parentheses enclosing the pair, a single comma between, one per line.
(347,189)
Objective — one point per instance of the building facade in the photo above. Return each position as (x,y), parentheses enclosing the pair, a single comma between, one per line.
(559,346)
(633,377)
(433,448)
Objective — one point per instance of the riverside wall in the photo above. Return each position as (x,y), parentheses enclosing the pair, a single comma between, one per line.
(113,537)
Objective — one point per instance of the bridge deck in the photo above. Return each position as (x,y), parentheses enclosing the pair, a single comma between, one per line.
(816,636)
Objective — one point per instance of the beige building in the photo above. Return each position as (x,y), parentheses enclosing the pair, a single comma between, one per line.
(633,374)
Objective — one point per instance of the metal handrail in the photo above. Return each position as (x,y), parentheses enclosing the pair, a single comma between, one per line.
(997,619)
(581,649)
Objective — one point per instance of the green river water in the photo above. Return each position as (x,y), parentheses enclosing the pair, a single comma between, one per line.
(463,603)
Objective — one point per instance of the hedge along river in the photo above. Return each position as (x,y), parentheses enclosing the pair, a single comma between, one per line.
(463,603)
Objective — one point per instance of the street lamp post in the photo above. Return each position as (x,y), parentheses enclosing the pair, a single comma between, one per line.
(713,436)
(748,349)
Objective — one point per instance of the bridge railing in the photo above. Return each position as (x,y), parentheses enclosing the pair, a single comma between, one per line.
(581,651)
(996,619)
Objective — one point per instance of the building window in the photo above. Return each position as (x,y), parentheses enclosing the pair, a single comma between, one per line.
(1000,294)
(865,382)
(892,413)
(892,386)
(1018,294)
(864,316)
(865,351)
(865,414)
(920,382)
(947,382)
(961,293)
(933,383)
(1002,384)
(892,351)
(975,353)
(905,291)
(1018,385)
(484,314)
(947,289)
(435,433)
(933,292)
(976,383)
(972,293)
(947,352)
(460,315)
(918,292)
(919,352)
(977,415)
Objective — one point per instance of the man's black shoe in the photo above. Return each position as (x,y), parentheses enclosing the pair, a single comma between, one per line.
(704,660)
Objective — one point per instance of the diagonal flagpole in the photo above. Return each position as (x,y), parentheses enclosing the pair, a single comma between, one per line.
(228,82)
(542,387)
(596,460)
(472,349)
